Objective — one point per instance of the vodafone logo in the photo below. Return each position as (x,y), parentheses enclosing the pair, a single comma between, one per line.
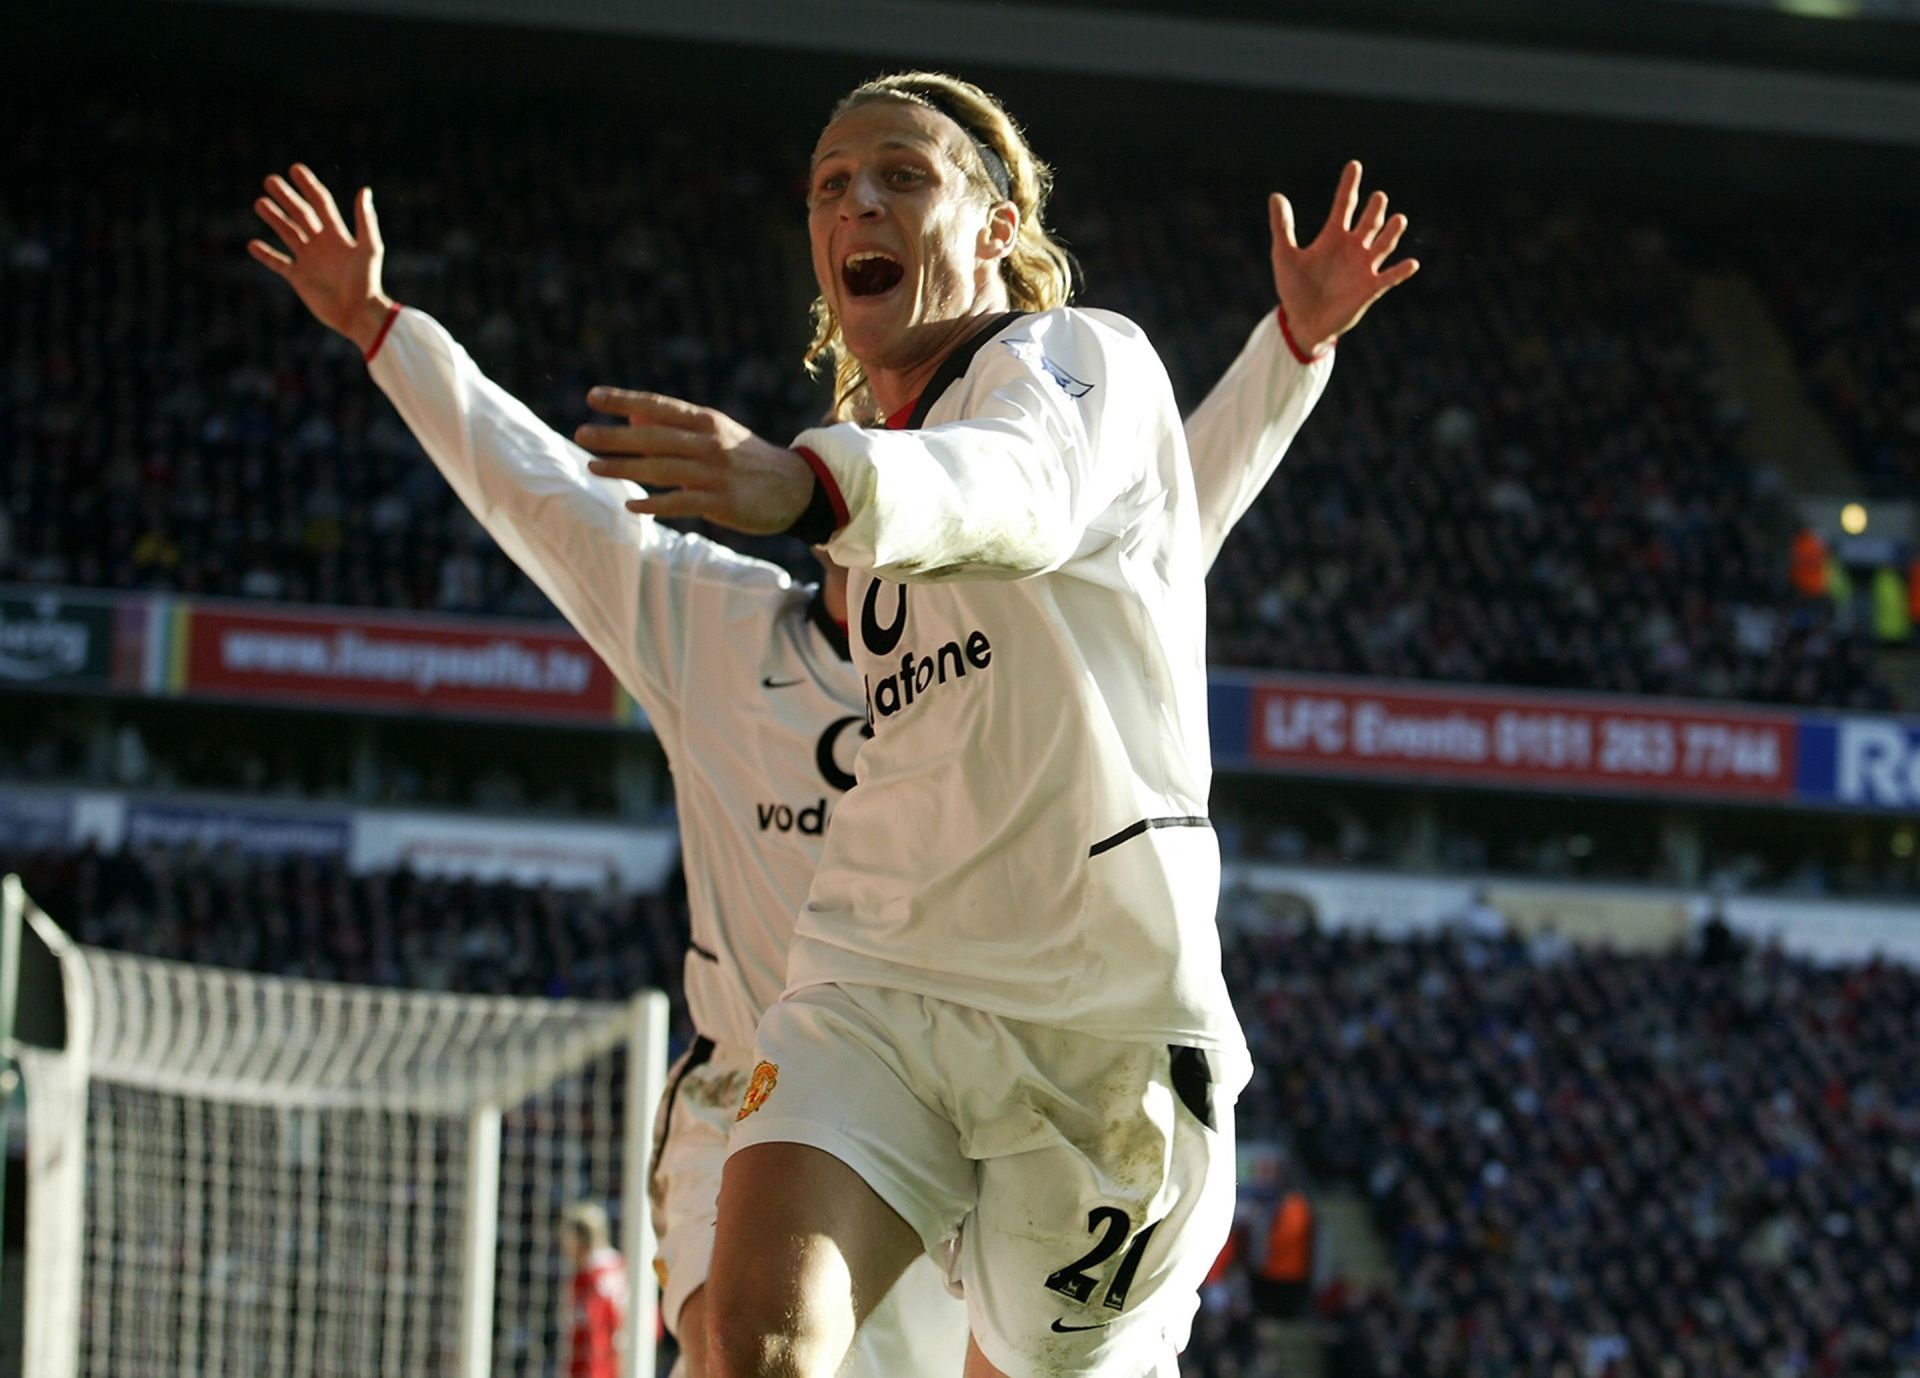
(833,756)
(829,754)
(917,673)
(876,638)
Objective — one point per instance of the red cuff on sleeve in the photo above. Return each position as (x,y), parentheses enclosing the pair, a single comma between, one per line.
(828,484)
(393,314)
(1293,345)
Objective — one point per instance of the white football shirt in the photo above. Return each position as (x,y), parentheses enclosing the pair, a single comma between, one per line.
(1029,834)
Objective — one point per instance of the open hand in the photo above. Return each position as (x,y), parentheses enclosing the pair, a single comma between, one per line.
(1327,287)
(336,274)
(712,466)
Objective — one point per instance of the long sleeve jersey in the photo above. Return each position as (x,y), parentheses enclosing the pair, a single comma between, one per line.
(746,681)
(1029,832)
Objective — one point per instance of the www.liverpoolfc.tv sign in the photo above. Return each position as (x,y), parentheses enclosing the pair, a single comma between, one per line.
(404,663)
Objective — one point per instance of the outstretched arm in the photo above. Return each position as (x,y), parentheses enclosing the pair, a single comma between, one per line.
(617,579)
(1240,433)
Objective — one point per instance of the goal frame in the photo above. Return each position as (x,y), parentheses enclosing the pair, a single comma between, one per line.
(62,1079)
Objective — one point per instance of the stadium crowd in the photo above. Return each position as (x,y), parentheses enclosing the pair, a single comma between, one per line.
(1602,1165)
(169,423)
(315,760)
(309,917)
(1523,472)
(1527,474)
(1851,306)
(1585,1164)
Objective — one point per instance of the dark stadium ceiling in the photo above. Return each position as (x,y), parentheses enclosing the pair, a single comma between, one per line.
(1666,62)
(1862,37)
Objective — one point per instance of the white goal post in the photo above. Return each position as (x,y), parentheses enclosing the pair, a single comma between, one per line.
(236,1173)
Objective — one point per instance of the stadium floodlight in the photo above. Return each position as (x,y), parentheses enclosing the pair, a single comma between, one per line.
(300,1179)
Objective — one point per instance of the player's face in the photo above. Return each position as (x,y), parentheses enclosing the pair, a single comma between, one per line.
(905,248)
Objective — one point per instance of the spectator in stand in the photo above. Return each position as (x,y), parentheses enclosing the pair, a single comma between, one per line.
(1892,618)
(1283,1279)
(1719,946)
(1807,564)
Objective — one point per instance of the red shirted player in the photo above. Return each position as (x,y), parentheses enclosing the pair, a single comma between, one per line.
(597,1295)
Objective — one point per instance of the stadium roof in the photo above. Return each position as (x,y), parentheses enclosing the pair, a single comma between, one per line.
(1673,62)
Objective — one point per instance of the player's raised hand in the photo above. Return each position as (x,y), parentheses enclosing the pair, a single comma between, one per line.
(335,272)
(695,462)
(1327,287)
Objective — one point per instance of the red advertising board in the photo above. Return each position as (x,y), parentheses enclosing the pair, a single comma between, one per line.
(372,661)
(1517,738)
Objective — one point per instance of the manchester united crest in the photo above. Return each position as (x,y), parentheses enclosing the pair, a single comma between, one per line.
(765,1075)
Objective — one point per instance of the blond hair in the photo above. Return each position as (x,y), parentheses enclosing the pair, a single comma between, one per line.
(588,1220)
(1038,272)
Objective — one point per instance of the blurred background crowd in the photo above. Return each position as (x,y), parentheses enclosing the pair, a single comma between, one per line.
(1528,471)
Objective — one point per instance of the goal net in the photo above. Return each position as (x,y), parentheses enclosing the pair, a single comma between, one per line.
(235,1173)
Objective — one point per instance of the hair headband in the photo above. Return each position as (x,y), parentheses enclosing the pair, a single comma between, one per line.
(989,155)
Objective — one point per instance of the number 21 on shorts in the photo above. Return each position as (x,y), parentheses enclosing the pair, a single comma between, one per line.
(1077,1279)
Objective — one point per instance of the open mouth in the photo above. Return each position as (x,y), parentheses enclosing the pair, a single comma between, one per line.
(870,273)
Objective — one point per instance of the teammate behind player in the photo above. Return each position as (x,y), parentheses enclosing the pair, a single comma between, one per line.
(760,764)
(1005,1023)
(596,1293)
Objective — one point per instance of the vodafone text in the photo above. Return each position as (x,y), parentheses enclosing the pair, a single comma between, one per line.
(784,818)
(917,673)
(832,756)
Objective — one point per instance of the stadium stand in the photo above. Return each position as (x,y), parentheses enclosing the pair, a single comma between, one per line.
(1667,1165)
(1601,1164)
(1522,474)
(1525,474)
(1832,294)
(174,425)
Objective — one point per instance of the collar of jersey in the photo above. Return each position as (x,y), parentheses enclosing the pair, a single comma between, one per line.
(914,415)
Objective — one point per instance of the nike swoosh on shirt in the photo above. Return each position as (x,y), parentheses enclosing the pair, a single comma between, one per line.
(769,682)
(1060,1329)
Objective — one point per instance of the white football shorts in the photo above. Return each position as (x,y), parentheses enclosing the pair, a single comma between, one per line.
(1079,1186)
(920,1327)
